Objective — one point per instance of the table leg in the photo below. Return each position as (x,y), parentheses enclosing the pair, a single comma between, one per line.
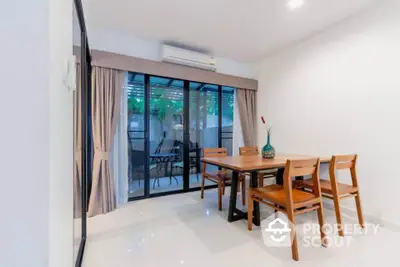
(233,196)
(256,212)
(166,170)
(279,176)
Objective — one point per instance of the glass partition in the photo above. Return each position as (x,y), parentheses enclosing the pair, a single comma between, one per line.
(81,132)
(77,185)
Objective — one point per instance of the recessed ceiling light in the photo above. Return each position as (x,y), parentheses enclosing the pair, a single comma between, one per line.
(294,4)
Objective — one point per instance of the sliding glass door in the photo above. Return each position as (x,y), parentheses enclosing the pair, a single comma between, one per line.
(226,126)
(170,121)
(204,126)
(136,135)
(166,162)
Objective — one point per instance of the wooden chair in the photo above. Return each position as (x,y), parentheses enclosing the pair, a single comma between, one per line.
(337,191)
(251,151)
(220,177)
(289,200)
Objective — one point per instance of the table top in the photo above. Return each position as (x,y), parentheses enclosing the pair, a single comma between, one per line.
(256,163)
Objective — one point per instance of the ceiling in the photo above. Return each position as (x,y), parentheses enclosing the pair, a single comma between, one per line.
(243,30)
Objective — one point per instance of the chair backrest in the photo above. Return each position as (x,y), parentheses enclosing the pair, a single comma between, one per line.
(214,153)
(248,151)
(343,162)
(193,145)
(301,167)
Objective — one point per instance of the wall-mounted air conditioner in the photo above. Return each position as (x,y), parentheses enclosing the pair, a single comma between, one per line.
(188,58)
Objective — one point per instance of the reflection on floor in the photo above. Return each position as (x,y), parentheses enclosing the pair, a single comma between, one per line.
(183,230)
(164,184)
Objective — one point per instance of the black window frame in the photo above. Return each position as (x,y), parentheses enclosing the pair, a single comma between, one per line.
(186,134)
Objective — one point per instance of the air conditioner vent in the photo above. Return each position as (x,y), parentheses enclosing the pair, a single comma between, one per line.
(188,58)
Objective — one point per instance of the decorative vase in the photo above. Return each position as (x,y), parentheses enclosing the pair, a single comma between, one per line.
(268,151)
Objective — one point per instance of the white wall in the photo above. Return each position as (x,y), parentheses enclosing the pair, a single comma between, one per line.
(35,192)
(24,110)
(60,137)
(114,41)
(338,92)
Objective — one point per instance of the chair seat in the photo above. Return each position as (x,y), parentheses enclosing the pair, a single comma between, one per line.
(326,187)
(178,164)
(276,194)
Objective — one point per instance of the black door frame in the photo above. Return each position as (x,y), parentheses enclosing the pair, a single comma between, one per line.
(86,67)
(186,137)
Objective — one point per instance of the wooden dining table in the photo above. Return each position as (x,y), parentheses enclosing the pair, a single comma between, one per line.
(252,165)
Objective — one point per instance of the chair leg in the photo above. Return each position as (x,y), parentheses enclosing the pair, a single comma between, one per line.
(243,191)
(220,191)
(203,178)
(260,180)
(295,249)
(223,188)
(176,179)
(359,210)
(250,210)
(320,212)
(338,213)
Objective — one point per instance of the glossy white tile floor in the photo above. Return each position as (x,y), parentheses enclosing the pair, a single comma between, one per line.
(182,230)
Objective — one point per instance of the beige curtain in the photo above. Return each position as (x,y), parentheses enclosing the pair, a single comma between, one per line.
(77,144)
(106,100)
(248,116)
